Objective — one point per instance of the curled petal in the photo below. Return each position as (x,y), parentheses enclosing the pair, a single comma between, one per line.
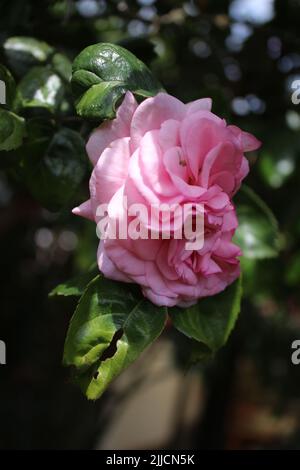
(84,210)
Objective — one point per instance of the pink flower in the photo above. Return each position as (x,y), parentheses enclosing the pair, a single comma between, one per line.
(164,151)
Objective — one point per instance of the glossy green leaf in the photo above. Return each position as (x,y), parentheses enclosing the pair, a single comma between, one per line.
(8,87)
(100,100)
(12,130)
(38,135)
(211,320)
(40,88)
(109,310)
(22,53)
(257,233)
(102,73)
(55,167)
(62,65)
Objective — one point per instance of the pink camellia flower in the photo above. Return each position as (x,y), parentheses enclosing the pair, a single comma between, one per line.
(164,151)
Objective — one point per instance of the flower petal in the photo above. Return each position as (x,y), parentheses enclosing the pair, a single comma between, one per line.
(152,113)
(246,141)
(110,172)
(84,210)
(112,130)
(204,104)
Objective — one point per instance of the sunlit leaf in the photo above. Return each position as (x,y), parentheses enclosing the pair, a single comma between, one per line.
(102,73)
(12,130)
(40,88)
(22,53)
(111,327)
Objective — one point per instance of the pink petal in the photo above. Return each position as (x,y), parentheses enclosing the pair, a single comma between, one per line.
(165,268)
(244,169)
(156,282)
(218,202)
(229,159)
(152,112)
(227,249)
(176,168)
(208,162)
(152,168)
(204,104)
(146,249)
(135,188)
(112,130)
(208,265)
(169,134)
(225,180)
(84,210)
(107,267)
(230,221)
(199,133)
(246,141)
(158,299)
(126,262)
(110,172)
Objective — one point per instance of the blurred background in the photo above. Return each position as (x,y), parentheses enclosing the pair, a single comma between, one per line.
(245,54)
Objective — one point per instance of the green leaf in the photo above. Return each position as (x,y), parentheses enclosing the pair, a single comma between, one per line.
(8,87)
(100,100)
(22,53)
(40,88)
(62,65)
(102,73)
(12,130)
(75,286)
(55,167)
(111,327)
(211,320)
(257,234)
(38,135)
